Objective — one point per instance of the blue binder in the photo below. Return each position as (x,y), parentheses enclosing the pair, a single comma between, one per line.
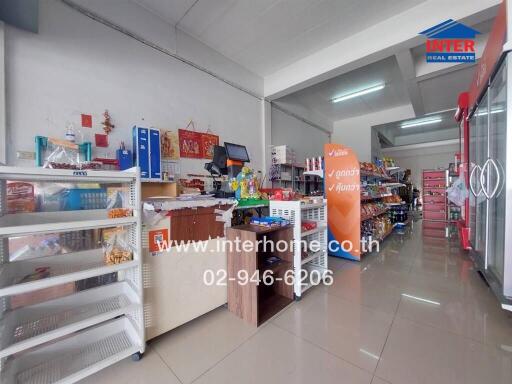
(154,155)
(141,150)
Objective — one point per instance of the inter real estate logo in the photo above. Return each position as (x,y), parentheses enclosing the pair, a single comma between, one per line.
(450,42)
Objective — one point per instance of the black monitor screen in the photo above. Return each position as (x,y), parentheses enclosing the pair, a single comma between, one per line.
(237,152)
(219,158)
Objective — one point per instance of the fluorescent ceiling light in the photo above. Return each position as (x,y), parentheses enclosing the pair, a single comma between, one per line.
(417,123)
(493,111)
(358,93)
(420,299)
(369,353)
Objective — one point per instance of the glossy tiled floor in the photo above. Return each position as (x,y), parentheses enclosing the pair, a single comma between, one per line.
(416,312)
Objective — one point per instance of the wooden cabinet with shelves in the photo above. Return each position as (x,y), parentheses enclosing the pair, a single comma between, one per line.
(196,224)
(258,298)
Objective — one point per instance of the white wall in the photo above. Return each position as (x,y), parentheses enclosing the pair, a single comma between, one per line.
(356,132)
(427,156)
(77,65)
(306,140)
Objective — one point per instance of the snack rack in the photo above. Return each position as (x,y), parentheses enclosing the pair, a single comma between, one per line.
(67,338)
(435,203)
(315,260)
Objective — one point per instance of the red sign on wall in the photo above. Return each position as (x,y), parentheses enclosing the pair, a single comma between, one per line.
(86,121)
(101,140)
(208,141)
(190,144)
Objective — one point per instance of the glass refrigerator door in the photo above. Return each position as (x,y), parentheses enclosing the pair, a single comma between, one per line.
(473,181)
(481,151)
(495,173)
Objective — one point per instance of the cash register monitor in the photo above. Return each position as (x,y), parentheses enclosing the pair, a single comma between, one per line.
(236,152)
(220,159)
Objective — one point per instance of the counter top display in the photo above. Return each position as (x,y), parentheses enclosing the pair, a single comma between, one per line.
(172,203)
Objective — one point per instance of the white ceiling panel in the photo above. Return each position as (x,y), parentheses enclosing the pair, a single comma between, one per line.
(442,92)
(170,10)
(319,96)
(265,35)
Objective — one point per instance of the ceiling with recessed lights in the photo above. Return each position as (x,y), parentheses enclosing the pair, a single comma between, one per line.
(440,126)
(319,97)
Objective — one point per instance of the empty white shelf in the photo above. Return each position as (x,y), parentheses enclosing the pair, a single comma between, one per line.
(75,357)
(36,324)
(48,222)
(319,228)
(314,205)
(312,256)
(62,269)
(80,176)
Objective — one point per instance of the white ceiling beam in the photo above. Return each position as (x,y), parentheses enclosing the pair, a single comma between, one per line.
(377,42)
(432,144)
(407,68)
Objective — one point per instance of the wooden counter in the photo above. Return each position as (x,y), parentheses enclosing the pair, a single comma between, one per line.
(174,288)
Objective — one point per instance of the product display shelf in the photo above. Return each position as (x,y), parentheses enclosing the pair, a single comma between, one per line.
(319,228)
(375,175)
(378,213)
(74,357)
(64,268)
(435,203)
(316,260)
(290,176)
(390,185)
(67,338)
(46,222)
(376,197)
(33,325)
(385,235)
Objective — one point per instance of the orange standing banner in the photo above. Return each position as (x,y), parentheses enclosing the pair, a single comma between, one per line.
(343,193)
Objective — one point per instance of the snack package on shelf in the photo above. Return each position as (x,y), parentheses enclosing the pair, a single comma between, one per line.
(308,225)
(64,156)
(372,169)
(117,202)
(368,210)
(116,248)
(270,221)
(20,197)
(393,199)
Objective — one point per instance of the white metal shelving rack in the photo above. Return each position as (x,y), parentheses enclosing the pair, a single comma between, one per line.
(315,260)
(66,339)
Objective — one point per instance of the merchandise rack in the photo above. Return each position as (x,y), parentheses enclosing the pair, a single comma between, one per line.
(316,260)
(382,180)
(435,203)
(68,338)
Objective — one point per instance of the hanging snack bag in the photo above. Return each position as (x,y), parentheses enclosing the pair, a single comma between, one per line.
(117,202)
(64,156)
(116,249)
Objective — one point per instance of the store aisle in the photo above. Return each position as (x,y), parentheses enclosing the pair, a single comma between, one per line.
(417,312)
